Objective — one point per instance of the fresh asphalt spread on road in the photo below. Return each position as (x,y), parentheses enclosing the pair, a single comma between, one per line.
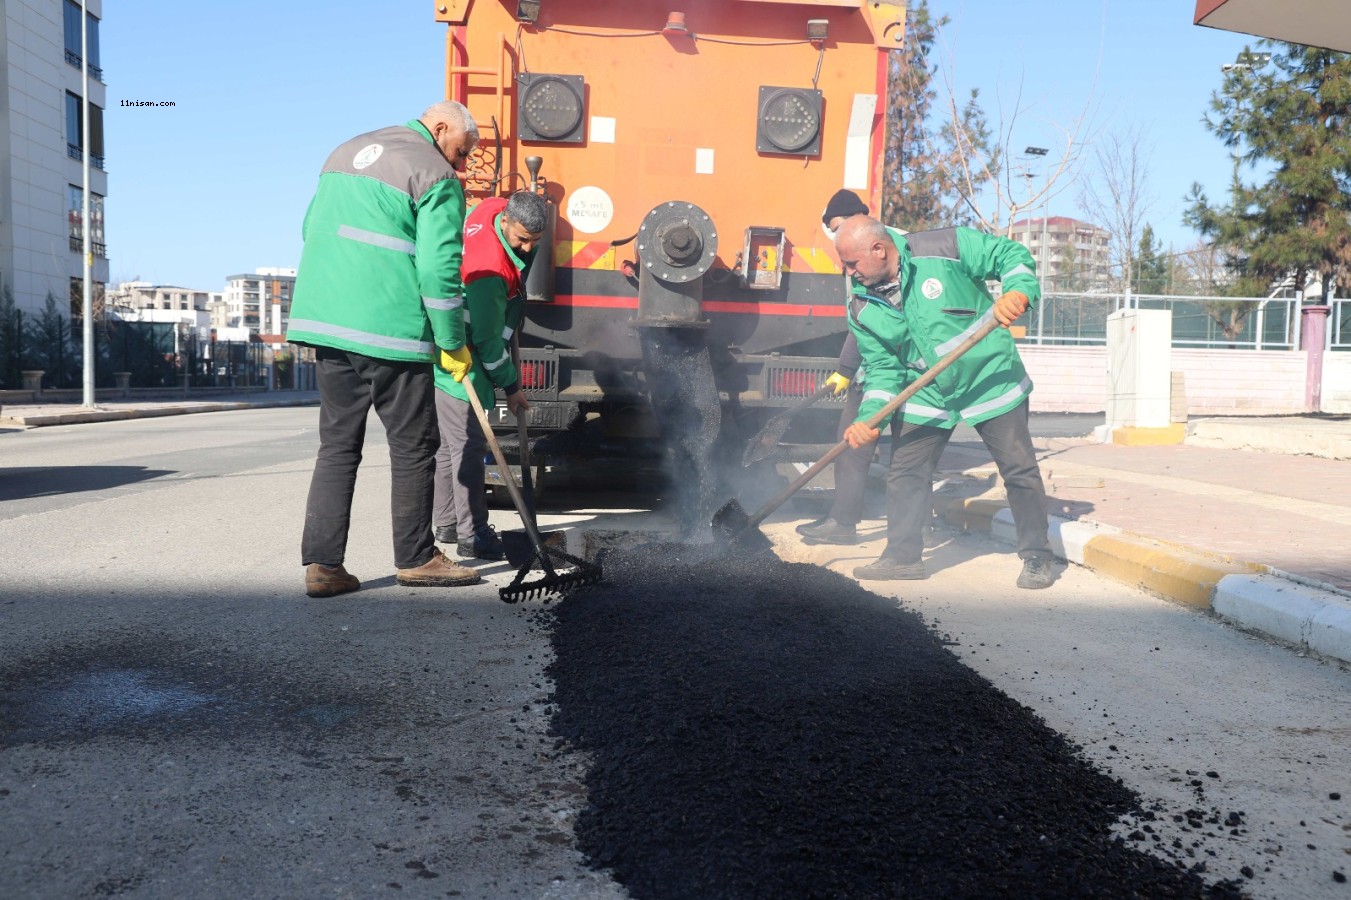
(176,720)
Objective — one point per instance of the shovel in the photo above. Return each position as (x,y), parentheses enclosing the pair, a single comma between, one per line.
(553,583)
(768,438)
(732,520)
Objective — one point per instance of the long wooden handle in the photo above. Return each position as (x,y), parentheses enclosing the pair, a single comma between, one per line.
(523,433)
(873,421)
(507,478)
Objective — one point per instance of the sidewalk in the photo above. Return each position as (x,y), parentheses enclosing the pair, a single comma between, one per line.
(1261,538)
(34,415)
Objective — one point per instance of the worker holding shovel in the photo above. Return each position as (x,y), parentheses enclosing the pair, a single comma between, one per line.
(916,297)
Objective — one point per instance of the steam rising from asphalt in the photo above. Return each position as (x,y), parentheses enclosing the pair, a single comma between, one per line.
(685,402)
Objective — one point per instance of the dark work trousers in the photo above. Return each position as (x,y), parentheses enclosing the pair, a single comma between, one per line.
(401,392)
(461,498)
(851,466)
(914,458)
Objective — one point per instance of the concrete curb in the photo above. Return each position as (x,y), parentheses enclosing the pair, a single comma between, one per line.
(1250,595)
(81,415)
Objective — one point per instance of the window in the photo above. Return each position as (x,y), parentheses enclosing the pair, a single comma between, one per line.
(74,214)
(73,39)
(75,131)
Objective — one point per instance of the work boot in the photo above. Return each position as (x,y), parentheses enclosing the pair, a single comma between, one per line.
(485,544)
(1037,574)
(437,572)
(828,531)
(808,526)
(888,569)
(445,534)
(328,581)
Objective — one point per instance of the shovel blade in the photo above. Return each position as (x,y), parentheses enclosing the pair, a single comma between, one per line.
(734,526)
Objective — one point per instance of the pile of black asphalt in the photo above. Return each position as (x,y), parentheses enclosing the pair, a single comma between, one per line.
(756,728)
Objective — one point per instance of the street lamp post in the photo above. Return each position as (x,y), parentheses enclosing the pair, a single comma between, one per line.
(1041,249)
(87,306)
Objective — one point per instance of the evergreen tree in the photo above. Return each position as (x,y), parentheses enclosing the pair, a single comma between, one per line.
(1151,269)
(911,192)
(48,344)
(11,341)
(1292,115)
(920,184)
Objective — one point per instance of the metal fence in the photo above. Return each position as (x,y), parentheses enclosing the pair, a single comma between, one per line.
(1248,323)
(155,354)
(1339,325)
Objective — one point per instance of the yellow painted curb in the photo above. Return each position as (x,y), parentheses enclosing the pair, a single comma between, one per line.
(1186,577)
(1131,436)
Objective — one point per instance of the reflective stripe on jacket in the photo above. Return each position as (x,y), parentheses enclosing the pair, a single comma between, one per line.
(380,270)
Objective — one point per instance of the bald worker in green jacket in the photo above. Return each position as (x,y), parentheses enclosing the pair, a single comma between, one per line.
(380,298)
(916,297)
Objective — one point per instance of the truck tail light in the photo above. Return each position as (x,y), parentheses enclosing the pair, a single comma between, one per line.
(534,375)
(794,384)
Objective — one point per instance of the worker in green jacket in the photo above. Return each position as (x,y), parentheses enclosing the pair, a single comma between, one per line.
(916,297)
(500,238)
(379,297)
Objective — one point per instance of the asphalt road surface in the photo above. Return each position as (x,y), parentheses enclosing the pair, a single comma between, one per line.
(178,720)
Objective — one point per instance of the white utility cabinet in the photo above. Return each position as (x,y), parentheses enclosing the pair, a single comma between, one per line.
(1139,368)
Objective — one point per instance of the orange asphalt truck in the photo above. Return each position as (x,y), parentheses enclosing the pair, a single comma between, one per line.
(687,149)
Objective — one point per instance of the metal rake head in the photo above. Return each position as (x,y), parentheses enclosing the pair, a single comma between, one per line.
(553,584)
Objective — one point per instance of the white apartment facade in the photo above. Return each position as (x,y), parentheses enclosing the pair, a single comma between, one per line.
(41,160)
(260,300)
(1070,254)
(142,295)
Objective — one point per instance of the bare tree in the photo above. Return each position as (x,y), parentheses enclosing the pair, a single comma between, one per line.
(985,179)
(1204,270)
(1116,194)
(982,176)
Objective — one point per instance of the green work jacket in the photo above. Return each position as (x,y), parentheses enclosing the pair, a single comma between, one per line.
(942,298)
(494,286)
(380,270)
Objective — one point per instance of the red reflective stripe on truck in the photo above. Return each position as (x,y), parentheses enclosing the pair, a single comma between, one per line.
(720,306)
(773,309)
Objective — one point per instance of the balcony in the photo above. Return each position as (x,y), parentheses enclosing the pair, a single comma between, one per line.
(74,59)
(100,250)
(75,153)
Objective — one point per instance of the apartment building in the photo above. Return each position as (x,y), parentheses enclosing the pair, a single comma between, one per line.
(1071,255)
(44,147)
(143,295)
(261,300)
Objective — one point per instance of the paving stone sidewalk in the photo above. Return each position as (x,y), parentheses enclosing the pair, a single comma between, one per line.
(1289,512)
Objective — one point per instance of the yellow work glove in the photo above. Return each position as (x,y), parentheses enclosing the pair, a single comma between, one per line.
(1009,307)
(457,362)
(860,435)
(837,383)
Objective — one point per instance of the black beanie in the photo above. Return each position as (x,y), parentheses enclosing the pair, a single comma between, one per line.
(843,203)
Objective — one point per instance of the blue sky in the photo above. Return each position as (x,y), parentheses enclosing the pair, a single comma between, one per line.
(218,183)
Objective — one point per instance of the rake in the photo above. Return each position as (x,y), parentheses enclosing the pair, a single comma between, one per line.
(553,583)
